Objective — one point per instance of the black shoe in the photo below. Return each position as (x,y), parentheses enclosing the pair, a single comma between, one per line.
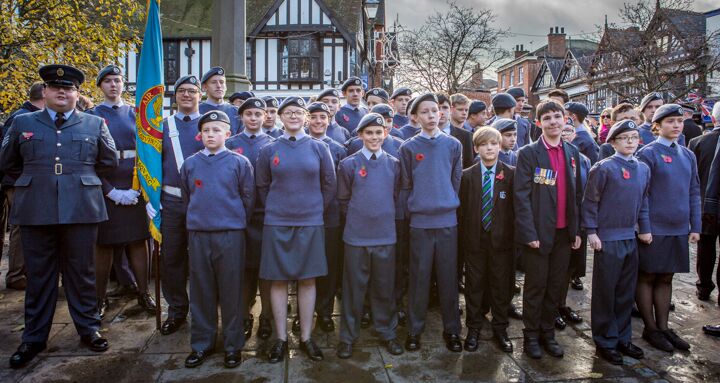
(452,342)
(672,306)
(278,351)
(146,301)
(95,342)
(311,350)
(296,325)
(569,315)
(394,347)
(402,318)
(635,312)
(344,350)
(703,296)
(471,340)
(103,306)
(25,353)
(611,355)
(366,319)
(123,291)
(576,284)
(713,330)
(412,342)
(247,327)
(196,358)
(531,347)
(560,323)
(658,340)
(171,325)
(514,312)
(232,359)
(631,350)
(503,341)
(265,329)
(552,347)
(326,324)
(676,341)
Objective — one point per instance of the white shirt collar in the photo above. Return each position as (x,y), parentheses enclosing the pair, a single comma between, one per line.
(429,136)
(53,113)
(628,158)
(192,116)
(110,104)
(368,153)
(206,152)
(257,135)
(665,141)
(298,136)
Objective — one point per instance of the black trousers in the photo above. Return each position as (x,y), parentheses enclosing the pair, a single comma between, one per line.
(174,260)
(545,275)
(51,250)
(327,286)
(706,256)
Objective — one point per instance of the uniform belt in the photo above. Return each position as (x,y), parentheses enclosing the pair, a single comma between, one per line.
(123,154)
(58,169)
(172,190)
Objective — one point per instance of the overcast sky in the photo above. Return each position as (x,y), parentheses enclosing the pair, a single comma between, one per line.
(528,17)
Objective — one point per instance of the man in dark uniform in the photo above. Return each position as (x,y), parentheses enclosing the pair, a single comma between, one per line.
(57,155)
(690,128)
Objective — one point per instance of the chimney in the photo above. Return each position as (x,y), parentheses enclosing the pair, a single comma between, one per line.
(557,46)
(520,50)
(476,80)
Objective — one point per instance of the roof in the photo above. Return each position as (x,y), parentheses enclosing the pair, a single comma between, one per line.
(555,65)
(380,16)
(687,22)
(186,18)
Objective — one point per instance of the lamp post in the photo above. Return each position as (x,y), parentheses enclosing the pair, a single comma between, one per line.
(371,9)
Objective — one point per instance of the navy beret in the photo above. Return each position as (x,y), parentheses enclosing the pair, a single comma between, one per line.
(378,92)
(402,91)
(110,69)
(251,103)
(667,110)
(383,110)
(213,115)
(423,97)
(527,107)
(371,119)
(503,101)
(244,95)
(516,92)
(650,97)
(292,101)
(216,70)
(476,107)
(192,80)
(318,106)
(61,75)
(351,81)
(331,92)
(577,108)
(621,127)
(504,124)
(271,102)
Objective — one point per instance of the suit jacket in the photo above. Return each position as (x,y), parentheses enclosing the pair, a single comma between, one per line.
(536,204)
(465,138)
(57,168)
(704,149)
(502,228)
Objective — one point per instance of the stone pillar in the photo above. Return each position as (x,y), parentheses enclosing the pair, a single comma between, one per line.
(228,42)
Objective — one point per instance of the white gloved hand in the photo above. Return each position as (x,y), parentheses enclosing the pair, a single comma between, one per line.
(129,197)
(151,212)
(116,196)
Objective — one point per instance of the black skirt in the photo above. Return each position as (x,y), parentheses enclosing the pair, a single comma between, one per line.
(127,224)
(666,254)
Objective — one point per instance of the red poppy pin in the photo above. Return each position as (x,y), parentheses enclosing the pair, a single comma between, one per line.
(276,160)
(572,162)
(198,137)
(500,176)
(239,150)
(419,156)
(27,135)
(346,118)
(626,174)
(198,183)
(666,159)
(363,172)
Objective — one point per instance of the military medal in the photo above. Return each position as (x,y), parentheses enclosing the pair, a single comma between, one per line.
(549,178)
(537,176)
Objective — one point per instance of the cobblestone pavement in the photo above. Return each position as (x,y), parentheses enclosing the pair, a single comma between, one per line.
(138,353)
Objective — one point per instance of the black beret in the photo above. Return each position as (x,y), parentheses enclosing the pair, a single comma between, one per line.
(621,127)
(383,110)
(216,70)
(504,124)
(503,101)
(667,110)
(378,92)
(402,91)
(271,102)
(423,97)
(689,108)
(332,92)
(527,107)
(516,92)
(244,95)
(292,101)
(351,81)
(192,80)
(650,97)
(370,119)
(476,107)
(577,108)
(61,75)
(110,69)
(213,115)
(251,103)
(318,106)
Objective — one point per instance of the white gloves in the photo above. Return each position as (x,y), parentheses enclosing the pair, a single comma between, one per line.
(124,197)
(115,195)
(151,212)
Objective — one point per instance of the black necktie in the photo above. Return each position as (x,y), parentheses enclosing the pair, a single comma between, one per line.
(252,136)
(210,155)
(59,120)
(672,145)
(186,118)
(115,107)
(373,157)
(293,139)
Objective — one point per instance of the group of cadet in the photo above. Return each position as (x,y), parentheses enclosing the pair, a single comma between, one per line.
(386,203)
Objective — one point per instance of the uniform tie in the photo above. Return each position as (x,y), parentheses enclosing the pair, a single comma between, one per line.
(673,145)
(293,139)
(59,120)
(252,136)
(487,200)
(115,107)
(186,118)
(373,157)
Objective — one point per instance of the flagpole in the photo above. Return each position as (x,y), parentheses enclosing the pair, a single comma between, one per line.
(156,263)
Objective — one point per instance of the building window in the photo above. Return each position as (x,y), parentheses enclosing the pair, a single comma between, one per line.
(502,81)
(248,60)
(171,53)
(512,77)
(301,60)
(521,75)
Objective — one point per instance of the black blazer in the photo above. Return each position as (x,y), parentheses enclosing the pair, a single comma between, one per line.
(536,204)
(704,149)
(470,212)
(465,138)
